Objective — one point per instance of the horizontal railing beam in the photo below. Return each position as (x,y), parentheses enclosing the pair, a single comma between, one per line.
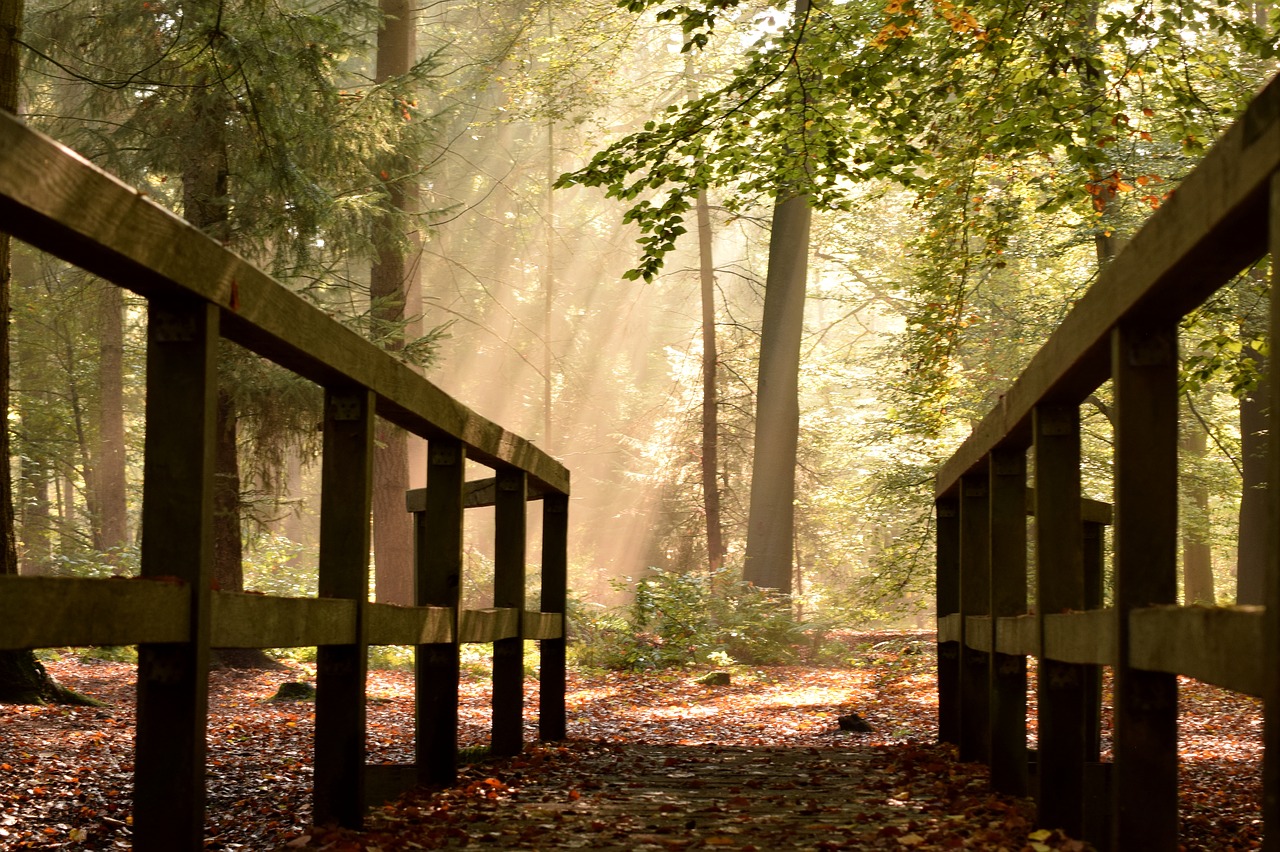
(1218,645)
(60,203)
(476,494)
(55,612)
(79,612)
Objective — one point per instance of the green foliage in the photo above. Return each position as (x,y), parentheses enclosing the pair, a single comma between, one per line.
(680,619)
(904,91)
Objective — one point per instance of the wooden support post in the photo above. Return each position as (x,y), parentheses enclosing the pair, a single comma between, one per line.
(947,592)
(975,599)
(508,591)
(1144,368)
(1094,563)
(1059,587)
(1271,625)
(438,567)
(1008,469)
(555,591)
(345,503)
(177,513)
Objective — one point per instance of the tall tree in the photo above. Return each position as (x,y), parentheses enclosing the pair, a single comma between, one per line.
(771,520)
(710,389)
(393,285)
(22,678)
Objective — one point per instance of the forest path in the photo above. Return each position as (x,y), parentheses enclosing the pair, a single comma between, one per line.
(636,796)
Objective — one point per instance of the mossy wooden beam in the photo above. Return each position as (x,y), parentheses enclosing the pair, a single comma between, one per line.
(1218,645)
(77,612)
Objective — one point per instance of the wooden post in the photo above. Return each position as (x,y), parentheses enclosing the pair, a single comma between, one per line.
(975,599)
(508,591)
(177,513)
(1144,367)
(346,479)
(1094,563)
(1008,598)
(1271,624)
(555,591)
(438,567)
(947,602)
(1059,587)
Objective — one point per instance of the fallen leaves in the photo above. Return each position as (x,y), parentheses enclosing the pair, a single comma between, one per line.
(656,761)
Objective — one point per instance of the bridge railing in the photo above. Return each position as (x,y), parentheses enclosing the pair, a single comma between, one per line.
(197,292)
(1224,217)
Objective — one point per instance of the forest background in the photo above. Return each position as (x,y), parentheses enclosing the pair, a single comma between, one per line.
(968,169)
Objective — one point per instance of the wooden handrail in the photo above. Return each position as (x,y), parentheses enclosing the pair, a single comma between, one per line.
(1213,226)
(62,204)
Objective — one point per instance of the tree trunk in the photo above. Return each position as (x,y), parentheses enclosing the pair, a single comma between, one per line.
(1197,558)
(392,283)
(710,397)
(1251,549)
(109,467)
(228,545)
(22,679)
(771,517)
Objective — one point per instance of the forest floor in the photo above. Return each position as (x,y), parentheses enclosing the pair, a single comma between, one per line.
(654,761)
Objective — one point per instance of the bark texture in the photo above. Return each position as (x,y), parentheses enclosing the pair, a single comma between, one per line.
(393,284)
(771,519)
(710,396)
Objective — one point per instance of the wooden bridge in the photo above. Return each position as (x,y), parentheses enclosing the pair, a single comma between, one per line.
(197,292)
(1222,219)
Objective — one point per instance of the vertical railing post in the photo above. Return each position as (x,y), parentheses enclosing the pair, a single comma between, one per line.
(508,591)
(346,478)
(438,582)
(555,592)
(1008,598)
(975,600)
(1144,369)
(1271,624)
(177,512)
(947,602)
(1059,587)
(1097,775)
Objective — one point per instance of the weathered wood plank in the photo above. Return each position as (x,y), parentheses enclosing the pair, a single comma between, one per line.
(549,625)
(1145,714)
(60,203)
(977,632)
(1019,634)
(1059,586)
(542,625)
(386,624)
(1271,623)
(510,539)
(437,558)
(975,600)
(177,541)
(1211,228)
(346,483)
(1086,638)
(1008,484)
(480,626)
(476,494)
(1218,645)
(80,612)
(258,621)
(950,626)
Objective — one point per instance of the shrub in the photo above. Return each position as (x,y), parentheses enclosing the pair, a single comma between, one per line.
(679,619)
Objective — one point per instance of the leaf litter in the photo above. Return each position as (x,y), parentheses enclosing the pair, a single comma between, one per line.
(655,761)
